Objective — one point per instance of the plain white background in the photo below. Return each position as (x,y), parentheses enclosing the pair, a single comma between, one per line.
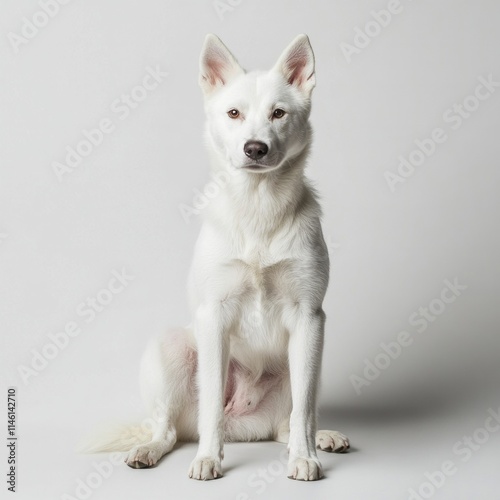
(120,208)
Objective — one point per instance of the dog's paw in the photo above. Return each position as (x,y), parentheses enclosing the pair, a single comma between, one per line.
(142,457)
(333,441)
(205,468)
(304,469)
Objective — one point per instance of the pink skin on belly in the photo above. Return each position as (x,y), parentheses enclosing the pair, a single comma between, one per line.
(243,392)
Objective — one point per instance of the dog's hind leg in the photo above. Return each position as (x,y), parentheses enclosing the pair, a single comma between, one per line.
(167,371)
(147,455)
(333,441)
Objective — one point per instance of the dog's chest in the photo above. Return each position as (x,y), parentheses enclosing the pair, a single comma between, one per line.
(264,293)
(267,273)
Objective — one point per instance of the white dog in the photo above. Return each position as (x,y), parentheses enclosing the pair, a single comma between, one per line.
(247,368)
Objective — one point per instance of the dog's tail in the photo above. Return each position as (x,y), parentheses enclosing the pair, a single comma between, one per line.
(115,438)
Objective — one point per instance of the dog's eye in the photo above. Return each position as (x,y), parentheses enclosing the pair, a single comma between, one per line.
(233,113)
(278,113)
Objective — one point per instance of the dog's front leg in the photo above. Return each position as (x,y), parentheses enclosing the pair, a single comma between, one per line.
(212,339)
(305,351)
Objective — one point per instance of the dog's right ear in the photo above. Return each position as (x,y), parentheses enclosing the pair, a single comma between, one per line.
(217,65)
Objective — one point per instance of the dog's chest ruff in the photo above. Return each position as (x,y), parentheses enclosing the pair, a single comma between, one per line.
(264,294)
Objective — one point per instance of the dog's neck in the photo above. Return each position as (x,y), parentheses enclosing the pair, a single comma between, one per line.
(257,204)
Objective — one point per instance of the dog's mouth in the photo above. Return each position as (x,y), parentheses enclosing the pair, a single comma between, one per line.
(258,167)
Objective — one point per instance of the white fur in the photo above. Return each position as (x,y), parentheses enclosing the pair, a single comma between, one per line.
(257,282)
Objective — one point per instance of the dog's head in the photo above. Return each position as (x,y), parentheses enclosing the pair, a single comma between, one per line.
(257,121)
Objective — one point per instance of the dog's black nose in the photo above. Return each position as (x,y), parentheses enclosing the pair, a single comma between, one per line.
(255,149)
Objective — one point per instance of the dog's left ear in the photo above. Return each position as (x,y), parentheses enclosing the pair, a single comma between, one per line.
(297,64)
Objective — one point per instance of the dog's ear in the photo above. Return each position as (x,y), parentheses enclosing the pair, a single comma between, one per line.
(217,65)
(297,64)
